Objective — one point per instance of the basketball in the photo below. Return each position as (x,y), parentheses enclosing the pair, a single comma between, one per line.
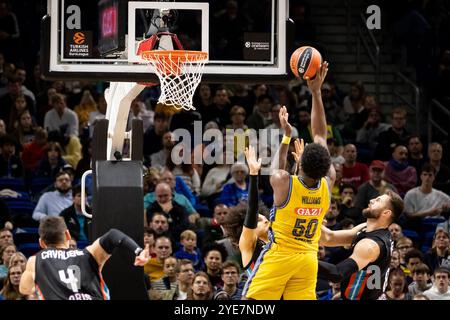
(305,61)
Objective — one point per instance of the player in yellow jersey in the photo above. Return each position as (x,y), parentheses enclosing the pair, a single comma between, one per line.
(287,267)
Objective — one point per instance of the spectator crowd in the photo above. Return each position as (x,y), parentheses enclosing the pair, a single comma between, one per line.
(46,130)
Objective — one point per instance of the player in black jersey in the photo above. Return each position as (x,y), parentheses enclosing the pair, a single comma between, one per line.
(363,275)
(245,224)
(59,273)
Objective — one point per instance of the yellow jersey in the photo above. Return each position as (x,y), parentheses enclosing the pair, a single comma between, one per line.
(154,269)
(295,225)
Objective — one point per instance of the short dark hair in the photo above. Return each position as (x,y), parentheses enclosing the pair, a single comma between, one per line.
(263,97)
(164,235)
(316,161)
(55,136)
(401,110)
(441,270)
(160,116)
(8,139)
(346,222)
(149,231)
(347,186)
(414,136)
(52,230)
(395,146)
(183,262)
(53,145)
(220,204)
(215,247)
(158,213)
(413,253)
(61,173)
(220,88)
(427,167)
(303,109)
(76,190)
(396,204)
(230,263)
(332,141)
(421,268)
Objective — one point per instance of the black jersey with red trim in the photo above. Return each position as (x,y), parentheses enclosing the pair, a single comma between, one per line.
(256,252)
(370,282)
(63,274)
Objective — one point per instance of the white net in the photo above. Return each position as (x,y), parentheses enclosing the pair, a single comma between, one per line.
(179,73)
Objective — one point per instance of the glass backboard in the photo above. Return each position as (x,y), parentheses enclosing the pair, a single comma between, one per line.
(99,39)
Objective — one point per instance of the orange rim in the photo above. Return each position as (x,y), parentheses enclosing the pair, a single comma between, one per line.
(148,84)
(180,55)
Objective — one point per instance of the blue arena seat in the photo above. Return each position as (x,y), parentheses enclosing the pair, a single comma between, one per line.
(429,225)
(203,210)
(23,196)
(39,184)
(29,249)
(26,235)
(82,244)
(21,207)
(413,235)
(425,249)
(428,238)
(13,184)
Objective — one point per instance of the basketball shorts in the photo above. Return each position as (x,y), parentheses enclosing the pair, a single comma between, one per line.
(291,275)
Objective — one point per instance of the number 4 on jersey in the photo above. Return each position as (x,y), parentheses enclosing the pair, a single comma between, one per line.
(73,278)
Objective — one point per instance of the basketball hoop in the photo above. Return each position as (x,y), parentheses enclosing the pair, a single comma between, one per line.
(179,72)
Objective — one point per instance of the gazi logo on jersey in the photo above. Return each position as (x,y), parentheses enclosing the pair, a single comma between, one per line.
(308,211)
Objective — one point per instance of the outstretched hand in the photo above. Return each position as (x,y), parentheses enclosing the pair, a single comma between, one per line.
(316,84)
(284,116)
(143,257)
(253,164)
(299,147)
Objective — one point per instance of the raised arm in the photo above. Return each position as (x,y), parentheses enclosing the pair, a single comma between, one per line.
(249,237)
(279,177)
(103,247)
(339,238)
(318,119)
(280,157)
